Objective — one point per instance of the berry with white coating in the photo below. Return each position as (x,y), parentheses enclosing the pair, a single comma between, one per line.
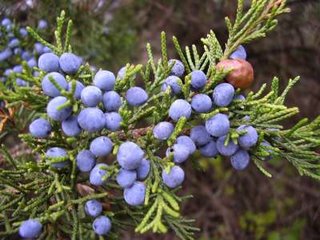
(174,177)
(49,88)
(198,79)
(70,63)
(85,160)
(113,121)
(187,141)
(126,178)
(201,103)
(177,68)
(54,113)
(173,83)
(91,119)
(180,153)
(179,108)
(91,96)
(135,194)
(226,150)
(218,125)
(105,80)
(209,150)
(240,160)
(163,130)
(101,146)
(70,126)
(98,175)
(93,208)
(249,138)
(223,94)
(129,155)
(111,101)
(40,128)
(136,96)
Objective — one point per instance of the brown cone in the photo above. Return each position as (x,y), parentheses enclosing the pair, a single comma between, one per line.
(242,74)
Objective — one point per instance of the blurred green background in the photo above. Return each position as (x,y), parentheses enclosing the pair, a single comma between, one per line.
(226,204)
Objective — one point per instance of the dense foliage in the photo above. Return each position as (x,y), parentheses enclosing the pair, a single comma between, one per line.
(98,139)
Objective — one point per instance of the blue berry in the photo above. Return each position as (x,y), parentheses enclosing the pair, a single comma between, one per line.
(111,101)
(6,53)
(177,68)
(57,152)
(173,83)
(143,169)
(240,160)
(98,174)
(239,53)
(54,113)
(101,146)
(91,119)
(174,178)
(187,141)
(126,178)
(13,43)
(70,63)
(23,32)
(21,83)
(121,73)
(101,225)
(48,88)
(32,62)
(218,125)
(91,96)
(113,121)
(70,126)
(40,128)
(136,96)
(78,89)
(239,97)
(17,69)
(180,153)
(42,24)
(30,228)
(135,194)
(199,135)
(250,138)
(26,55)
(201,103)
(6,22)
(7,72)
(85,160)
(38,47)
(163,130)
(93,208)
(179,108)
(198,79)
(49,62)
(104,80)
(46,49)
(129,155)
(209,150)
(223,94)
(226,150)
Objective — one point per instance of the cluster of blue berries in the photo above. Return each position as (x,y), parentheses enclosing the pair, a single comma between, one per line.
(16,50)
(102,224)
(100,110)
(212,138)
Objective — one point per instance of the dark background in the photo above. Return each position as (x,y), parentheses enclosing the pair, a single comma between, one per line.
(226,204)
